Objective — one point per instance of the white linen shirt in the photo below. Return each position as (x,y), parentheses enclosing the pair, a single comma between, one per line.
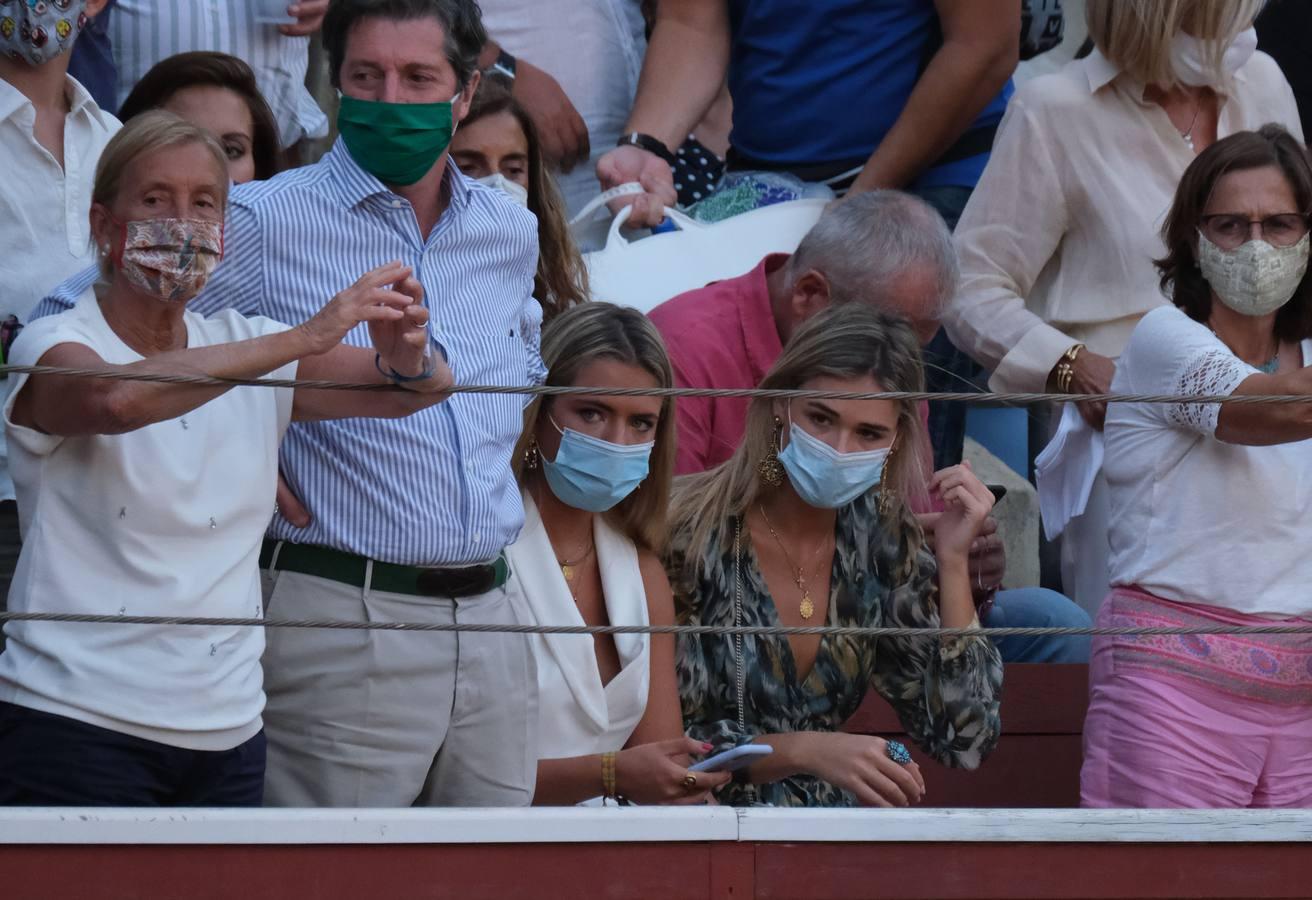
(594,48)
(1194,519)
(44,228)
(166,520)
(143,32)
(1058,241)
(44,210)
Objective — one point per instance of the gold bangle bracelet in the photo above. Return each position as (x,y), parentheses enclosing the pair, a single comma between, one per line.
(1066,369)
(608,786)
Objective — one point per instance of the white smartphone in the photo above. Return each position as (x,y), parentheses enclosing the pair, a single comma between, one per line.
(733,760)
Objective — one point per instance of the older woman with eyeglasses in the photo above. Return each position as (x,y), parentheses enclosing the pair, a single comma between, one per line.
(1058,239)
(1210,504)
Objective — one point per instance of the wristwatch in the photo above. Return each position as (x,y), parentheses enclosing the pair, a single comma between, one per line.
(504,65)
(648,143)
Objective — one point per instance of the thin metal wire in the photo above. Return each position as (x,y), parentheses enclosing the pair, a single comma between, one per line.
(730,630)
(1003,399)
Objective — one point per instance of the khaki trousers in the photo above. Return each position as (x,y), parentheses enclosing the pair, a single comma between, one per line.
(392,719)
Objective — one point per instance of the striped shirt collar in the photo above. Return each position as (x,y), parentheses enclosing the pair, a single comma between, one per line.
(356,185)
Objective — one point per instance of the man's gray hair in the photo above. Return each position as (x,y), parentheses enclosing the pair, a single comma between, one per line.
(462,20)
(864,244)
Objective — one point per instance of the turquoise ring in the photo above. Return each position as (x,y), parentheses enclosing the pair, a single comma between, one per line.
(897,751)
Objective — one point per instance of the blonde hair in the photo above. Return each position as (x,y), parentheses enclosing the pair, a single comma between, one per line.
(850,340)
(587,333)
(1136,35)
(146,133)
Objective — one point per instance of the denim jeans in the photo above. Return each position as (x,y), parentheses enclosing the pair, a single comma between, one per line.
(946,367)
(1039,608)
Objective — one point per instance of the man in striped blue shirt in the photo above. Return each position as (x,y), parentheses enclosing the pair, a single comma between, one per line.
(408,516)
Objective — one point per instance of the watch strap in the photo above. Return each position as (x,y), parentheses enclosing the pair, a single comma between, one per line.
(505,64)
(648,143)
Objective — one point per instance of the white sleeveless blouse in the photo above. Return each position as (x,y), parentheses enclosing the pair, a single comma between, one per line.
(577,715)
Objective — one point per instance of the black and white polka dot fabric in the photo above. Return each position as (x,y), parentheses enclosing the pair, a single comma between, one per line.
(697,172)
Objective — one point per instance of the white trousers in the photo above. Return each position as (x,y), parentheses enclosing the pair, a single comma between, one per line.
(392,719)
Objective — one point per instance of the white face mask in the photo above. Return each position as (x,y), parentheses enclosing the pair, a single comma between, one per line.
(1189,58)
(1255,279)
(512,189)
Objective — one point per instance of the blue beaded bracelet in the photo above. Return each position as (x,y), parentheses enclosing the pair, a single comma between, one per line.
(396,377)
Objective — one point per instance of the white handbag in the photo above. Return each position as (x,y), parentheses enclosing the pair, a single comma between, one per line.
(645,272)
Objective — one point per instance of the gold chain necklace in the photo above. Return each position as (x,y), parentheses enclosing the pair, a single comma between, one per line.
(568,566)
(807,606)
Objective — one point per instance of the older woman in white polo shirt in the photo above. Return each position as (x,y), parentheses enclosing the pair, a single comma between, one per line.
(1211,506)
(152,499)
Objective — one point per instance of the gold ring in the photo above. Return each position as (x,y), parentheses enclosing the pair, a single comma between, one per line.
(690,782)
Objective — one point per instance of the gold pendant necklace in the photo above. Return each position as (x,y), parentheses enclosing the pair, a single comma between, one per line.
(806,608)
(568,567)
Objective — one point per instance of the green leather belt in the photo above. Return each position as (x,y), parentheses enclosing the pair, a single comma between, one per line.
(309,559)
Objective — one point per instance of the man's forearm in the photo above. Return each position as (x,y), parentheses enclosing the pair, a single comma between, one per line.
(687,60)
(960,81)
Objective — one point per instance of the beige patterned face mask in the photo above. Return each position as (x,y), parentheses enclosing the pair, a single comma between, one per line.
(1255,279)
(170,258)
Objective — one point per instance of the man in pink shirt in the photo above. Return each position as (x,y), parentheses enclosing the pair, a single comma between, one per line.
(885,248)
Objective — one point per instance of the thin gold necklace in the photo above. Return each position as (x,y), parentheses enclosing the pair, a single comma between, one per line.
(807,607)
(568,566)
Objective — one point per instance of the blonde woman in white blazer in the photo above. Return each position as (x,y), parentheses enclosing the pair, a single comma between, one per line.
(595,471)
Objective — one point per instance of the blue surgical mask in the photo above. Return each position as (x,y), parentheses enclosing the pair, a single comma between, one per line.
(825,478)
(595,475)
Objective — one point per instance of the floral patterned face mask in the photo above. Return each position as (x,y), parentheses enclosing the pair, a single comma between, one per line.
(170,258)
(37,31)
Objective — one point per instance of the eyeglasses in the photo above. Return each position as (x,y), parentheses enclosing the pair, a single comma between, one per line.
(1231,230)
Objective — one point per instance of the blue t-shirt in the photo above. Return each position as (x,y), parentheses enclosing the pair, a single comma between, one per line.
(823,81)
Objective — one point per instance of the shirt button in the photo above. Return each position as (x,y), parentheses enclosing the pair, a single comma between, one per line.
(397,204)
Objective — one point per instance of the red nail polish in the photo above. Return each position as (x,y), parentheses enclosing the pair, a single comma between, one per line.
(708,747)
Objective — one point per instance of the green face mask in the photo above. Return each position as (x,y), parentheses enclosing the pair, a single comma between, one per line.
(397,143)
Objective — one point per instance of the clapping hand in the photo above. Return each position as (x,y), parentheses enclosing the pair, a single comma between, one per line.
(403,344)
(372,298)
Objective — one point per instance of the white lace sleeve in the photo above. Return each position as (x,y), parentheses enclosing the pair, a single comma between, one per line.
(1214,372)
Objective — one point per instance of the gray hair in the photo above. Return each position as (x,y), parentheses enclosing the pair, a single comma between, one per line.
(462,20)
(865,243)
